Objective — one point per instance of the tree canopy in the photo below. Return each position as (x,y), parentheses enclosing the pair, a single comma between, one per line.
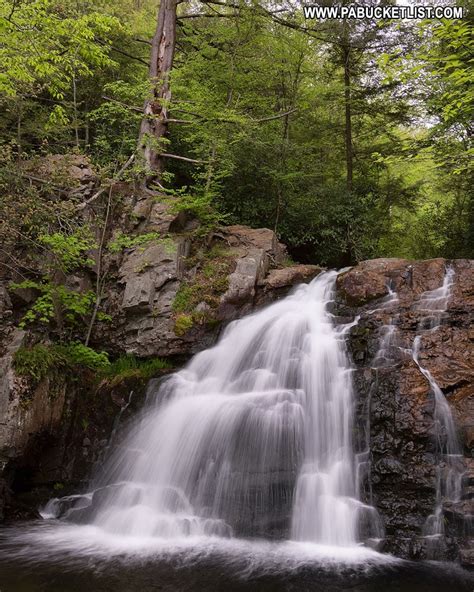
(351,139)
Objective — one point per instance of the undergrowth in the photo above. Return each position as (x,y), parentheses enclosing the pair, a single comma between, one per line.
(129,367)
(42,360)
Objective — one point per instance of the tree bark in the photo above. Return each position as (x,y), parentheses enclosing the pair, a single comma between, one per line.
(348,116)
(154,127)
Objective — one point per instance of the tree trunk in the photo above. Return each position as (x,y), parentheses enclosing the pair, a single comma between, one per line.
(154,127)
(348,125)
(349,256)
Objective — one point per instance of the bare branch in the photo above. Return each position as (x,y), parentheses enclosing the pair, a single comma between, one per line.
(176,157)
(14,269)
(138,40)
(43,181)
(219,3)
(277,116)
(224,120)
(129,55)
(206,15)
(99,285)
(184,121)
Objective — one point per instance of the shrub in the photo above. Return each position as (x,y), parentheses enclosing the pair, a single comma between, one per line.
(39,361)
(183,323)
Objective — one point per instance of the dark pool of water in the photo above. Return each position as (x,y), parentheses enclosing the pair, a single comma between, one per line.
(50,558)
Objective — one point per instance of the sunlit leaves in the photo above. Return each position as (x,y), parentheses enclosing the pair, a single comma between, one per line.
(45,43)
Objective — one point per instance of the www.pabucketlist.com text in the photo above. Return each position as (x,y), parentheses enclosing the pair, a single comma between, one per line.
(357,11)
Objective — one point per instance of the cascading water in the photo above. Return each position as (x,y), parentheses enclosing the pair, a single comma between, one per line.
(449,469)
(253,438)
(384,356)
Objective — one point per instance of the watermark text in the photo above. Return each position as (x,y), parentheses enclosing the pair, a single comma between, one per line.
(356,11)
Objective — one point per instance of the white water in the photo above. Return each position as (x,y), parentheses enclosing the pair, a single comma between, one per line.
(385,354)
(435,302)
(253,438)
(449,469)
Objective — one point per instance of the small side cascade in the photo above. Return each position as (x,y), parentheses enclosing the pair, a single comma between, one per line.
(433,304)
(371,528)
(450,467)
(384,356)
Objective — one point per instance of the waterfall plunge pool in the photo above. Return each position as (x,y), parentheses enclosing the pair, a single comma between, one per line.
(53,556)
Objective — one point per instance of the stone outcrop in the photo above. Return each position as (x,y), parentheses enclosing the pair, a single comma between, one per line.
(70,175)
(142,294)
(52,431)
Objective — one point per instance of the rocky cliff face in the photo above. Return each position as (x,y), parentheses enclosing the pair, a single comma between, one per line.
(396,403)
(171,296)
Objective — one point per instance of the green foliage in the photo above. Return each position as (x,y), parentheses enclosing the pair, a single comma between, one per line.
(73,305)
(209,283)
(202,205)
(62,43)
(260,109)
(41,360)
(183,323)
(450,61)
(131,368)
(437,72)
(49,51)
(69,250)
(37,362)
(123,241)
(55,302)
(79,354)
(29,211)
(116,124)
(185,297)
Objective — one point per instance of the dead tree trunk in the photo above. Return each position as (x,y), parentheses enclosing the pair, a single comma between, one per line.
(154,127)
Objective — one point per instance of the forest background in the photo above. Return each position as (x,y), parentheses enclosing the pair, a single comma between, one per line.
(351,139)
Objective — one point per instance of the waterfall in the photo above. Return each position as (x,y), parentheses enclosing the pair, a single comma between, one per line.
(253,438)
(449,469)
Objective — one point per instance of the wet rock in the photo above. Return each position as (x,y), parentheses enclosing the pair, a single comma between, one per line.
(24,410)
(358,287)
(395,404)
